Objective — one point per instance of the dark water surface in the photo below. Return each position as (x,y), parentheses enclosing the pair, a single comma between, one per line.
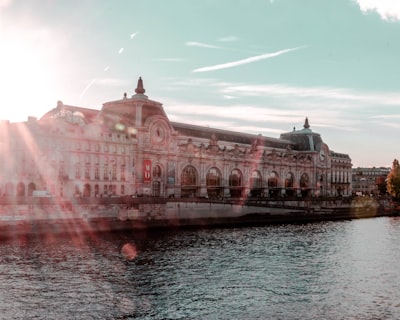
(327,270)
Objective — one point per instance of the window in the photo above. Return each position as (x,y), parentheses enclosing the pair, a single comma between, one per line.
(273,180)
(123,178)
(235,183)
(105,173)
(114,172)
(255,180)
(235,179)
(213,177)
(188,177)
(289,181)
(97,173)
(61,171)
(77,171)
(157,171)
(304,181)
(87,172)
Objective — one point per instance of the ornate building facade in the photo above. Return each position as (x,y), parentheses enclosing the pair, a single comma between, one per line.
(369,181)
(130,147)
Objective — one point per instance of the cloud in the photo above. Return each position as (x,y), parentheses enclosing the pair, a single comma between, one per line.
(245,61)
(228,39)
(331,94)
(387,116)
(5,3)
(120,50)
(132,35)
(169,59)
(227,97)
(201,45)
(388,10)
(259,119)
(281,106)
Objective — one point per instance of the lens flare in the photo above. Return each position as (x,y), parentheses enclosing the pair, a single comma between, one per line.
(129,251)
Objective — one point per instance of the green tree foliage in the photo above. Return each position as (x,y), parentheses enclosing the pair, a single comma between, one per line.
(393,180)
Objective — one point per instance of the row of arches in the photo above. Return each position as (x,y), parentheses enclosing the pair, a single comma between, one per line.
(19,189)
(190,183)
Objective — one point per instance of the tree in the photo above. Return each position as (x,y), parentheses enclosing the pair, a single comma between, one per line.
(381,184)
(393,180)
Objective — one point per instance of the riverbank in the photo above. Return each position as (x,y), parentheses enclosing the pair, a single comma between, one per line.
(184,218)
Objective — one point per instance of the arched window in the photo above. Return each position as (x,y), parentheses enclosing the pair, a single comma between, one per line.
(235,179)
(305,185)
(304,181)
(188,177)
(31,188)
(9,189)
(189,186)
(235,183)
(321,185)
(86,190)
(255,184)
(20,189)
(157,171)
(273,180)
(289,180)
(213,178)
(289,184)
(273,184)
(213,182)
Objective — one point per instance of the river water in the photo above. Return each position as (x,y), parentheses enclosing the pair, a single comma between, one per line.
(324,270)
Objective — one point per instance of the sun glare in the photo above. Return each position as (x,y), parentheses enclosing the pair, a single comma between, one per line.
(26,78)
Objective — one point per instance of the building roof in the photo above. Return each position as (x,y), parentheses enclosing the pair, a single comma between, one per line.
(305,139)
(229,136)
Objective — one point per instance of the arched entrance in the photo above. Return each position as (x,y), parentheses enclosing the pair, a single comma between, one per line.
(156,188)
(235,183)
(9,189)
(273,188)
(86,190)
(31,188)
(213,182)
(189,186)
(255,184)
(321,185)
(305,185)
(20,189)
(96,190)
(156,185)
(289,185)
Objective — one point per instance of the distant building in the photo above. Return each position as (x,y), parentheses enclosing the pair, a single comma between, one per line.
(367,181)
(130,147)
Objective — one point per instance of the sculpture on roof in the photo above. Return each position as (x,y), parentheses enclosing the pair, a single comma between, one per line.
(140,89)
(213,140)
(306,124)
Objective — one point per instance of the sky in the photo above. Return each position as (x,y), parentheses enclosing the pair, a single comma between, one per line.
(259,66)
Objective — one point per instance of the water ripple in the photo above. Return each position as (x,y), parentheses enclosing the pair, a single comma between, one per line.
(329,270)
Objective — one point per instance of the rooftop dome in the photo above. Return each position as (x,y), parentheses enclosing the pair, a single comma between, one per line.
(305,139)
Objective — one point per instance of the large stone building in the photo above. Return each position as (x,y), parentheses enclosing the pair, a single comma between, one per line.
(130,147)
(369,181)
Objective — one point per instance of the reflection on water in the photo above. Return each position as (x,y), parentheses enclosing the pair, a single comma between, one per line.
(328,270)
